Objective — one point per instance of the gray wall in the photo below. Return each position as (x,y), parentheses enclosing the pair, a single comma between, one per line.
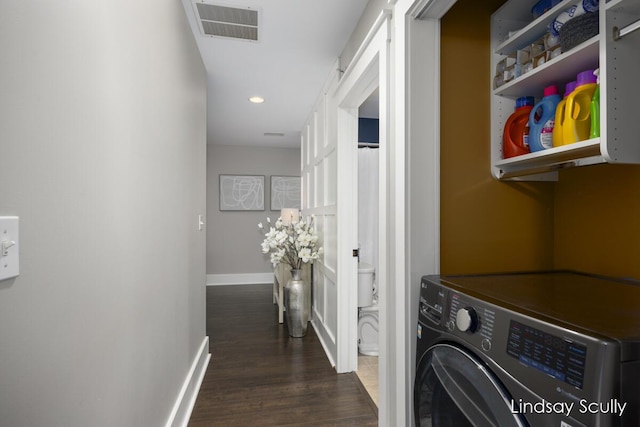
(233,238)
(102,147)
(370,14)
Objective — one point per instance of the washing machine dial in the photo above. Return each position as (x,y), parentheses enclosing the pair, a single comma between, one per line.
(467,320)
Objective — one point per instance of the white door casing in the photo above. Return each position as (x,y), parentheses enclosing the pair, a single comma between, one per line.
(415,145)
(368,70)
(409,198)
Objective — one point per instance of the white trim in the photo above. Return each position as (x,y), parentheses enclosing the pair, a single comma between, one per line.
(430,9)
(347,214)
(368,70)
(322,333)
(240,279)
(415,229)
(383,18)
(181,411)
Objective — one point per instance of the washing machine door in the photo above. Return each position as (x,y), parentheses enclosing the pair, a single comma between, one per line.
(454,389)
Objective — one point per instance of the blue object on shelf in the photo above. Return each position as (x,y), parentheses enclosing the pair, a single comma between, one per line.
(542,6)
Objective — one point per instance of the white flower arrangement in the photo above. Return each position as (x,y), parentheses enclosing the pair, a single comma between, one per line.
(294,244)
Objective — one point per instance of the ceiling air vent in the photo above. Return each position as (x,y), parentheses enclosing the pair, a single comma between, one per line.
(224,21)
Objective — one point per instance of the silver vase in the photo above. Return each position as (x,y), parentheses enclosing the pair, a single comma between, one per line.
(297,301)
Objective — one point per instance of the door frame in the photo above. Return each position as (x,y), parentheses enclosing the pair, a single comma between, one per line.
(368,70)
(408,244)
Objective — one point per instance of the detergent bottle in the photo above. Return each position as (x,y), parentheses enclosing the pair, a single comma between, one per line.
(577,114)
(595,108)
(559,122)
(515,139)
(542,119)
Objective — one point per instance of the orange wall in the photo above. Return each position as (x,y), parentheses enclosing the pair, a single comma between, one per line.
(589,220)
(486,225)
(597,219)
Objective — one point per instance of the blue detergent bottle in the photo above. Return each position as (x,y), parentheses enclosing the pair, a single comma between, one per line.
(542,120)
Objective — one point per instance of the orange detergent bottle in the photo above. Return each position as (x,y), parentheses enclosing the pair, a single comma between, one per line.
(577,120)
(515,139)
(560,114)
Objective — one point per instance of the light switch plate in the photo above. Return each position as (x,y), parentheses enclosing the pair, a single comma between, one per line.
(9,247)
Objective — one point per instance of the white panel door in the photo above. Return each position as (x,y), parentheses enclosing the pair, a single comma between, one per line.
(319,172)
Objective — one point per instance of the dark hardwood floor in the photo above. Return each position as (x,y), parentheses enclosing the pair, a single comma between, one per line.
(259,376)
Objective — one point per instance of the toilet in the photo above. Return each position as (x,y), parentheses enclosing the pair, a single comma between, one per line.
(367,310)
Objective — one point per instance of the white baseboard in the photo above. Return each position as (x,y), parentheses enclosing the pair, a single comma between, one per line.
(239,279)
(324,336)
(187,398)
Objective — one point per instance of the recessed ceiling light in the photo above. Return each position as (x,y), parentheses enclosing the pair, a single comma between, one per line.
(256,99)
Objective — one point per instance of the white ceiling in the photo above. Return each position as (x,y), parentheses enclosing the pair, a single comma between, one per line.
(300,41)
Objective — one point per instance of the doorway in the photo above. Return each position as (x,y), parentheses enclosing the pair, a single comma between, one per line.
(368,73)
(403,62)
(368,223)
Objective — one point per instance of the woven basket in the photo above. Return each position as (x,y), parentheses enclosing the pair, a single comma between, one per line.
(578,29)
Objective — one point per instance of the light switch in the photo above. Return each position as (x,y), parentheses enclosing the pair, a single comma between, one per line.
(9,247)
(200,222)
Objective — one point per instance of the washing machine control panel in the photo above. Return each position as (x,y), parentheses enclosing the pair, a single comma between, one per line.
(467,319)
(456,313)
(471,318)
(559,357)
(432,302)
(483,326)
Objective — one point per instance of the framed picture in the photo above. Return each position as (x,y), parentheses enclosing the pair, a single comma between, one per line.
(285,192)
(241,192)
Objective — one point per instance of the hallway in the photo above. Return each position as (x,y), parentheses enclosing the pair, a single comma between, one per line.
(259,376)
